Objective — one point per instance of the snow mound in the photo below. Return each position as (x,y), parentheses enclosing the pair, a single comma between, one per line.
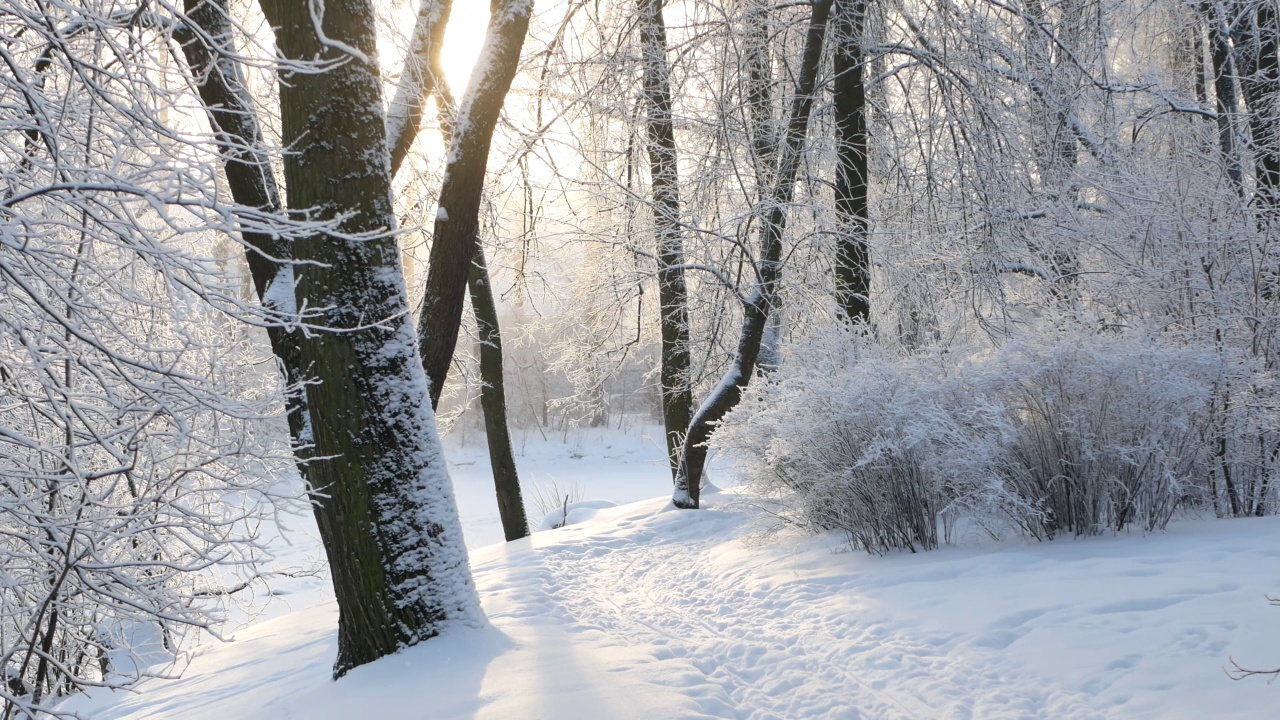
(647,611)
(575,513)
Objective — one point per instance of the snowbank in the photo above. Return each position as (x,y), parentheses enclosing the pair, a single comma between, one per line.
(649,612)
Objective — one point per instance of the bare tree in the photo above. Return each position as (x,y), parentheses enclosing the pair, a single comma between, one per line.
(677,397)
(768,270)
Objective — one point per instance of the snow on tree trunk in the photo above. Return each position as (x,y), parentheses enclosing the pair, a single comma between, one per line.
(383,500)
(457,223)
(208,47)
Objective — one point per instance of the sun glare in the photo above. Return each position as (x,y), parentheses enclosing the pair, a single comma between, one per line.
(463,39)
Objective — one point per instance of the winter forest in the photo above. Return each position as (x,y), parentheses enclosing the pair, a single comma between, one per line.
(639,358)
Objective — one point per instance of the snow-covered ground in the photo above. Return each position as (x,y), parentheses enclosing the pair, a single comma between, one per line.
(643,611)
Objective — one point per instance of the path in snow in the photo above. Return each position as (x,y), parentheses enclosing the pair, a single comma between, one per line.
(648,612)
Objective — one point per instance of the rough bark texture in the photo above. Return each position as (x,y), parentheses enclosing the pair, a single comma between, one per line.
(756,312)
(383,502)
(677,396)
(457,223)
(853,260)
(207,45)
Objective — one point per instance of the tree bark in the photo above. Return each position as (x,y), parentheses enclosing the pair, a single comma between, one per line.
(383,501)
(207,45)
(457,221)
(853,260)
(757,308)
(493,400)
(1224,95)
(677,395)
(493,395)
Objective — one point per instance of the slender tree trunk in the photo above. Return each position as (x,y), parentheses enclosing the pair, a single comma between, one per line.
(756,311)
(763,132)
(853,259)
(383,501)
(1224,93)
(457,221)
(208,46)
(493,396)
(493,400)
(677,396)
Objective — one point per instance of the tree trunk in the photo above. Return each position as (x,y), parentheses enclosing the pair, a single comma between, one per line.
(383,501)
(493,396)
(493,400)
(756,311)
(457,221)
(207,44)
(852,261)
(677,396)
(1224,94)
(422,76)
(1258,62)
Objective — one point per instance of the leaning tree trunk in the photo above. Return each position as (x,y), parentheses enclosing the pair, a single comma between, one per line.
(493,400)
(406,118)
(458,219)
(677,395)
(852,257)
(208,46)
(383,501)
(763,133)
(757,308)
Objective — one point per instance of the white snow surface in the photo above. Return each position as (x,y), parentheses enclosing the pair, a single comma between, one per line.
(644,611)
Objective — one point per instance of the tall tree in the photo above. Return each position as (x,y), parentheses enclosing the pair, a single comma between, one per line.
(493,394)
(383,501)
(677,395)
(458,219)
(768,270)
(852,258)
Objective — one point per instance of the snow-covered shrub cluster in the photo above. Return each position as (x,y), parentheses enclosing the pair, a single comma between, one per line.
(1063,431)
(846,436)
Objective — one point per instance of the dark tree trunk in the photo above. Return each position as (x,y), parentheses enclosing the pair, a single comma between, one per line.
(493,400)
(457,222)
(853,260)
(677,396)
(757,308)
(1224,94)
(493,396)
(207,45)
(383,501)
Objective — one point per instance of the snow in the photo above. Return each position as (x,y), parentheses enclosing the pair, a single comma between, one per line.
(644,611)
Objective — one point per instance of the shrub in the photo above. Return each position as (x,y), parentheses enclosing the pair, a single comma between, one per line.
(1066,430)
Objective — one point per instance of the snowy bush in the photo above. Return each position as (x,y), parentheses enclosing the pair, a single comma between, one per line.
(1108,427)
(1060,431)
(850,438)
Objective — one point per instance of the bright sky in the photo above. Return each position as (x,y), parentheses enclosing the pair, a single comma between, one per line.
(462,40)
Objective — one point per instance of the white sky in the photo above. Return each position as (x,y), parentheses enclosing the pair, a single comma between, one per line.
(462,40)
